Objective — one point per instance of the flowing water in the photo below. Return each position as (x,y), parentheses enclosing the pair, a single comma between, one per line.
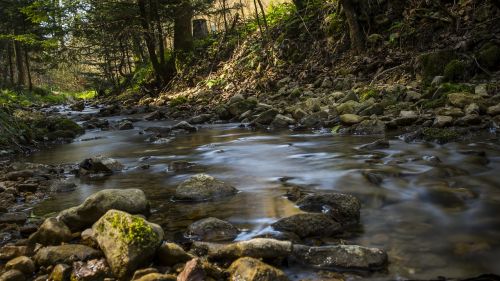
(436,211)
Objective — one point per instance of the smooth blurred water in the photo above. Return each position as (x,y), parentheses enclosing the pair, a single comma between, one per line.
(433,218)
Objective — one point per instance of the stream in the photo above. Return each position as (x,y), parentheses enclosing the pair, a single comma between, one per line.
(434,208)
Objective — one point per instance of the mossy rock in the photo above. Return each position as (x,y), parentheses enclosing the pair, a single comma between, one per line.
(439,135)
(127,241)
(433,64)
(456,70)
(489,56)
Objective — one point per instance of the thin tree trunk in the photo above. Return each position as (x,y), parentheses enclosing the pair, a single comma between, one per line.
(183,33)
(355,32)
(11,64)
(21,81)
(224,15)
(263,15)
(257,17)
(28,68)
(161,46)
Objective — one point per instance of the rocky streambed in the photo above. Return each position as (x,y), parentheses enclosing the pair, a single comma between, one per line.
(173,201)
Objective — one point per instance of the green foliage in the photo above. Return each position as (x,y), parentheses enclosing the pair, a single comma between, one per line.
(39,96)
(433,64)
(367,94)
(333,24)
(489,56)
(179,100)
(142,75)
(211,83)
(278,13)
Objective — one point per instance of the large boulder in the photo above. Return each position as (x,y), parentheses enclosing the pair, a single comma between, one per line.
(350,119)
(203,187)
(127,241)
(461,99)
(257,248)
(308,225)
(51,232)
(250,269)
(343,208)
(266,117)
(66,254)
(128,200)
(99,165)
(212,229)
(340,256)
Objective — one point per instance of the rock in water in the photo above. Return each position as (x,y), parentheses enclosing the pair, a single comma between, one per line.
(203,187)
(212,229)
(127,241)
(67,254)
(255,248)
(343,208)
(341,256)
(128,200)
(51,232)
(308,225)
(99,165)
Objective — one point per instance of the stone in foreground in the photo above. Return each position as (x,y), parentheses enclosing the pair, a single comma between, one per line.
(128,200)
(308,225)
(212,229)
(203,187)
(127,241)
(250,269)
(256,248)
(66,254)
(341,256)
(51,232)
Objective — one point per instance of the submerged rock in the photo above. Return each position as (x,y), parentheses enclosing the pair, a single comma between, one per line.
(127,241)
(340,256)
(308,225)
(256,248)
(212,229)
(183,125)
(203,187)
(343,208)
(250,269)
(67,254)
(128,200)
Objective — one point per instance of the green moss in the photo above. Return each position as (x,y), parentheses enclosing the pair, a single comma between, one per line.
(489,56)
(439,135)
(434,103)
(455,70)
(134,230)
(367,94)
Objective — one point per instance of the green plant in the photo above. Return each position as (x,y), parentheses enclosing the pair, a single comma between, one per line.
(179,100)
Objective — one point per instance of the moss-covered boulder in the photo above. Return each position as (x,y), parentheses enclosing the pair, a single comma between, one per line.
(456,70)
(489,56)
(203,187)
(128,200)
(433,64)
(461,99)
(127,241)
(250,269)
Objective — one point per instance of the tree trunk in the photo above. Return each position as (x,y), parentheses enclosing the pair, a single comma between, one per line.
(21,81)
(161,46)
(183,32)
(28,68)
(224,11)
(150,44)
(355,33)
